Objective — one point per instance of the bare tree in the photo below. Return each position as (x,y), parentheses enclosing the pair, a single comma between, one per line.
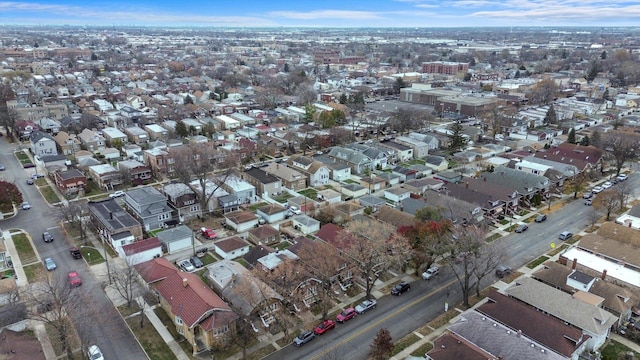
(125,281)
(488,257)
(495,117)
(374,247)
(465,247)
(623,190)
(75,214)
(608,201)
(544,92)
(621,148)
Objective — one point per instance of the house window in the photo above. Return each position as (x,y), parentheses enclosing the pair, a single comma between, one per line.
(194,208)
(178,320)
(189,202)
(163,217)
(222,330)
(180,330)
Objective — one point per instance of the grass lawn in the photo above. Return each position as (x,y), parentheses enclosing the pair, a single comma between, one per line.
(422,350)
(614,349)
(24,248)
(493,237)
(188,349)
(153,233)
(417,162)
(41,182)
(34,272)
(282,197)
(126,311)
(537,262)
(74,341)
(557,250)
(283,245)
(255,206)
(150,340)
(404,343)
(22,157)
(208,259)
(92,256)
(49,195)
(309,192)
(242,262)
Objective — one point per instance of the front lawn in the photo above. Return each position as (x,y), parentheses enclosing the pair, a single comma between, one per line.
(24,249)
(613,350)
(49,195)
(282,198)
(537,262)
(309,192)
(34,272)
(91,256)
(256,206)
(150,340)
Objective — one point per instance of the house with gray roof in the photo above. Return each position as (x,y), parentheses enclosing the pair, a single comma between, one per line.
(591,319)
(113,222)
(338,171)
(403,153)
(526,184)
(357,161)
(420,148)
(42,144)
(176,239)
(436,163)
(149,206)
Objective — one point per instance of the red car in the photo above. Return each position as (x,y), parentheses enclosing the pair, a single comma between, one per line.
(74,279)
(346,314)
(208,233)
(324,327)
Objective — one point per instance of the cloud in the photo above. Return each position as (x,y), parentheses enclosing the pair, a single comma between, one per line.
(326,14)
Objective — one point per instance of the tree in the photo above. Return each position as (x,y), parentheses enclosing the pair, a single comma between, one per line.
(464,247)
(181,129)
(623,190)
(286,67)
(8,117)
(585,140)
(593,72)
(425,238)
(458,141)
(309,113)
(9,195)
(608,201)
(343,99)
(571,138)
(577,182)
(125,281)
(621,148)
(544,92)
(374,247)
(551,117)
(188,100)
(117,143)
(76,215)
(495,117)
(485,261)
(382,345)
(596,139)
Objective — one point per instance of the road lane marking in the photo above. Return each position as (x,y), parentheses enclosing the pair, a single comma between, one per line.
(381,320)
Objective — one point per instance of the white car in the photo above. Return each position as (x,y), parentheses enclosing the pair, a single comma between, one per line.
(597,189)
(622,177)
(187,266)
(607,185)
(294,210)
(95,353)
(117,194)
(430,273)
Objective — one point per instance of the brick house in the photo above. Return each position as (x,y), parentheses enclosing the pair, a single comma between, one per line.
(70,181)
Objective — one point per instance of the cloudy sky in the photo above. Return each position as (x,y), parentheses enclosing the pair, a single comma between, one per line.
(326,13)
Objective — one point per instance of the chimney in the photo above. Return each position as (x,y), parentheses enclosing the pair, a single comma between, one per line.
(575,263)
(519,333)
(604,274)
(184,282)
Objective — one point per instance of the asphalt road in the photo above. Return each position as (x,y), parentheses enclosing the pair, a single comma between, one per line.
(108,329)
(402,315)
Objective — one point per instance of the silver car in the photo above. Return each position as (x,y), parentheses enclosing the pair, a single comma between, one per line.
(50,264)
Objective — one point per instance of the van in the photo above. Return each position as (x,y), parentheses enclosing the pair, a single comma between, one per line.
(565,235)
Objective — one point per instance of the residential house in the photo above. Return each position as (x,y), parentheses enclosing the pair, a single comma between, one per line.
(197,312)
(526,184)
(308,250)
(372,202)
(231,247)
(338,171)
(420,149)
(396,195)
(265,183)
(390,179)
(54,162)
(92,141)
(149,206)
(290,178)
(264,235)
(357,161)
(70,182)
(105,176)
(160,161)
(133,115)
(449,346)
(136,172)
(403,152)
(353,191)
(631,218)
(272,213)
(67,144)
(316,173)
(48,125)
(305,224)
(132,152)
(241,220)
(420,186)
(176,239)
(141,251)
(183,200)
(24,128)
(136,135)
(242,190)
(449,176)
(256,300)
(456,210)
(114,225)
(573,310)
(112,134)
(255,253)
(156,132)
(405,173)
(42,144)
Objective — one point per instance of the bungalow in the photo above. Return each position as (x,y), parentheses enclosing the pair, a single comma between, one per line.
(105,176)
(231,248)
(355,159)
(337,171)
(70,181)
(403,152)
(264,235)
(241,220)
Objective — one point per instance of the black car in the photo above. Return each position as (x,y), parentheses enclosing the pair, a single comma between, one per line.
(196,262)
(522,228)
(540,218)
(47,237)
(401,288)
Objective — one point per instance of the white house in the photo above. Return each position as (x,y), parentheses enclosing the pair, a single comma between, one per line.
(176,239)
(397,195)
(42,144)
(305,224)
(141,251)
(231,248)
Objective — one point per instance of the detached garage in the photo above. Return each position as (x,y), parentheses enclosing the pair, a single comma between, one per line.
(141,251)
(176,239)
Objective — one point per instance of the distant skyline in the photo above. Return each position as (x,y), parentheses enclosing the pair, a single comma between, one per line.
(327,13)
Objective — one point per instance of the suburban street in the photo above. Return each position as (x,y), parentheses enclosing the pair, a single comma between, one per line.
(110,332)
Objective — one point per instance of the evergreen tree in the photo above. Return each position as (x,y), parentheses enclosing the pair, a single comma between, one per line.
(585,141)
(382,345)
(458,141)
(593,72)
(343,99)
(596,139)
(181,129)
(603,56)
(551,117)
(309,112)
(286,68)
(188,100)
(571,139)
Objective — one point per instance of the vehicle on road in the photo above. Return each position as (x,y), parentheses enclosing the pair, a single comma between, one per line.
(196,262)
(117,194)
(522,228)
(346,314)
(430,273)
(187,266)
(366,305)
(401,288)
(588,202)
(587,195)
(324,327)
(2,168)
(95,353)
(74,279)
(303,338)
(607,185)
(75,253)
(208,233)
(26,206)
(622,177)
(503,270)
(50,264)
(565,235)
(47,237)
(540,218)
(29,181)
(37,176)
(597,189)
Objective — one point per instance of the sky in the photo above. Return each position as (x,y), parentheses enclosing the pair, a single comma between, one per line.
(323,13)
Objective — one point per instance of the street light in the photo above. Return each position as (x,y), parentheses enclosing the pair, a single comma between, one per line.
(106,259)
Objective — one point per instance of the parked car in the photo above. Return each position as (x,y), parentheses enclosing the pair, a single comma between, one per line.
(622,177)
(565,235)
(503,270)
(430,273)
(50,264)
(74,279)
(186,265)
(2,168)
(401,288)
(117,194)
(196,262)
(294,210)
(29,181)
(47,237)
(522,228)
(587,195)
(75,253)
(95,353)
(540,218)
(37,176)
(261,220)
(26,206)
(303,338)
(597,189)
(607,185)
(208,233)
(324,327)
(366,305)
(588,202)
(346,314)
